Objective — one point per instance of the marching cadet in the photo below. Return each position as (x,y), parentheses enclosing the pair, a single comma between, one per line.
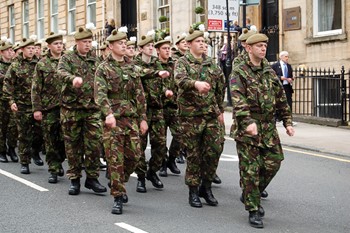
(170,106)
(201,87)
(46,87)
(131,48)
(181,46)
(152,77)
(104,51)
(8,127)
(256,95)
(17,88)
(119,92)
(80,115)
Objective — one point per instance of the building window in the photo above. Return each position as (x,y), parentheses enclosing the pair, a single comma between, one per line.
(25,11)
(328,17)
(91,12)
(163,10)
(200,17)
(54,16)
(12,22)
(40,19)
(71,16)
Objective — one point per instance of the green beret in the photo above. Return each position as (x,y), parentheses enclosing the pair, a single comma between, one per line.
(145,40)
(83,34)
(26,42)
(5,45)
(180,38)
(132,41)
(104,45)
(259,37)
(246,34)
(161,42)
(53,37)
(193,34)
(115,36)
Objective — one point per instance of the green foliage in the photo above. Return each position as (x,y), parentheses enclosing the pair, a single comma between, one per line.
(163,18)
(199,10)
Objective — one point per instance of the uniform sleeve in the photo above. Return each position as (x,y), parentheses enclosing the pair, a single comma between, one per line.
(141,100)
(182,78)
(37,86)
(9,85)
(220,89)
(101,87)
(64,69)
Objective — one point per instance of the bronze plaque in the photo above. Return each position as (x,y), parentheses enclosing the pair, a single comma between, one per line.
(291,19)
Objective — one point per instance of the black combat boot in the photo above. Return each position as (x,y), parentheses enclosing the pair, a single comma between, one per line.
(193,198)
(163,170)
(3,157)
(264,194)
(255,219)
(125,198)
(206,193)
(172,165)
(117,205)
(53,178)
(141,184)
(74,188)
(180,159)
(60,171)
(216,179)
(94,184)
(37,160)
(152,176)
(261,211)
(25,169)
(12,153)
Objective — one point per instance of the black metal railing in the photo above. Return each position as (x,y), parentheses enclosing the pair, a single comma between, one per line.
(322,93)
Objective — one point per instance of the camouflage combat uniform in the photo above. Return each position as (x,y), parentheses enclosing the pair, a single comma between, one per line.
(153,87)
(118,90)
(17,89)
(8,126)
(46,88)
(198,113)
(256,95)
(80,115)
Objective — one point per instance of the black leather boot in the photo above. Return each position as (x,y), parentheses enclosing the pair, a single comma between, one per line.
(216,179)
(141,185)
(25,169)
(255,219)
(60,171)
(163,170)
(206,193)
(193,198)
(37,160)
(180,159)
(261,211)
(3,157)
(53,178)
(12,153)
(172,165)
(264,194)
(117,205)
(152,176)
(74,188)
(94,184)
(125,198)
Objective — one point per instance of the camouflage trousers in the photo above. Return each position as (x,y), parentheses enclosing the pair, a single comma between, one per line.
(8,127)
(203,139)
(82,132)
(53,138)
(257,167)
(123,148)
(157,135)
(29,140)
(172,121)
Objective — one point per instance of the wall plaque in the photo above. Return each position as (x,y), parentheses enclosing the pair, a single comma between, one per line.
(291,19)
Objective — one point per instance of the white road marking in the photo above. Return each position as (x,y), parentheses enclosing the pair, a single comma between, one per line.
(26,182)
(129,227)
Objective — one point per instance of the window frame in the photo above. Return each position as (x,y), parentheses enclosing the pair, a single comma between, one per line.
(88,11)
(163,5)
(40,20)
(25,24)
(71,16)
(12,18)
(53,15)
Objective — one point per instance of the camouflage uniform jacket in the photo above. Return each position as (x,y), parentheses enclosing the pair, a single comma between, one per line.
(18,82)
(153,85)
(256,95)
(3,69)
(46,85)
(191,103)
(169,83)
(118,89)
(72,65)
(175,56)
(240,58)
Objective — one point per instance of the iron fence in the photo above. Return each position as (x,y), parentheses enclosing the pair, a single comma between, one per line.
(322,93)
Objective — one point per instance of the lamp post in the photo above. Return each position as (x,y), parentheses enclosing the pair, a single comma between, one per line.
(228,63)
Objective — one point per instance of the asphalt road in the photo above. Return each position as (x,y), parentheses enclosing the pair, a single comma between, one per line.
(309,194)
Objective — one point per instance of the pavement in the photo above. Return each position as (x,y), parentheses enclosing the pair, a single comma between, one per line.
(313,137)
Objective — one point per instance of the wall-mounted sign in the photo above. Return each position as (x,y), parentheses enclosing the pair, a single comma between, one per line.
(291,19)
(217,16)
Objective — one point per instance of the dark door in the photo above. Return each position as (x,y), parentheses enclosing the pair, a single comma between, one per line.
(128,16)
(270,27)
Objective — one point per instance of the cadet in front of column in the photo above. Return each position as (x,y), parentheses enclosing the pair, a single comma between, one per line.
(119,92)
(80,115)
(46,88)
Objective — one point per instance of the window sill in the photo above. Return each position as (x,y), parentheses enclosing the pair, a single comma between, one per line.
(323,39)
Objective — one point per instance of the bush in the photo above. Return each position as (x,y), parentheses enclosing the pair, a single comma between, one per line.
(199,10)
(163,19)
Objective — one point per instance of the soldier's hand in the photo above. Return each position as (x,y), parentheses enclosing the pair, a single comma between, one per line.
(143,127)
(290,131)
(169,93)
(38,115)
(221,119)
(77,82)
(163,74)
(202,87)
(14,107)
(252,129)
(110,121)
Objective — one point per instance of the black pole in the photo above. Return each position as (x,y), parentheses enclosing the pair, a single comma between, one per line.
(244,13)
(228,63)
